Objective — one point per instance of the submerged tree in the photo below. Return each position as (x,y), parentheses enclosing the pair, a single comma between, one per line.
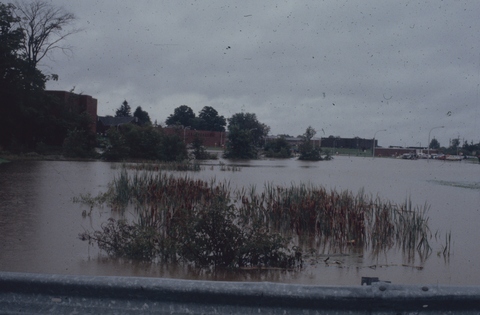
(308,150)
(249,121)
(245,133)
(240,144)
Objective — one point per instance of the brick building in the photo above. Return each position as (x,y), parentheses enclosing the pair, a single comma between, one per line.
(209,138)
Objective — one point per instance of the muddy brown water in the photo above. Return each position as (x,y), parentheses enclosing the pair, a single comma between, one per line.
(39,223)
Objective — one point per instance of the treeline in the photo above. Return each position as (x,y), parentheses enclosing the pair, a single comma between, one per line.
(143,142)
(208,119)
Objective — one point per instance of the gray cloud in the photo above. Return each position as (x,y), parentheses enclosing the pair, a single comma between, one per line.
(349,68)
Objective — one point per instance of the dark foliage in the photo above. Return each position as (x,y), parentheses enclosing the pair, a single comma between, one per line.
(143,117)
(249,122)
(240,144)
(149,143)
(278,148)
(210,120)
(183,115)
(308,151)
(124,110)
(245,133)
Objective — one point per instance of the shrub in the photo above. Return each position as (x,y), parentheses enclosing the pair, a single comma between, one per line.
(116,148)
(278,148)
(78,143)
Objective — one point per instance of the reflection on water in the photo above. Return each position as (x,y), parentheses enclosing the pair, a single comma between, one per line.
(40,224)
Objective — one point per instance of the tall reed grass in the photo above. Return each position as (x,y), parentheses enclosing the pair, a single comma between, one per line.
(160,166)
(338,219)
(208,222)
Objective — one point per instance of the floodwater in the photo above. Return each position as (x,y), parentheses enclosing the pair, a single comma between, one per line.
(39,223)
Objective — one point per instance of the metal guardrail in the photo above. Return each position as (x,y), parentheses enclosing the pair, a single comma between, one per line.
(22,293)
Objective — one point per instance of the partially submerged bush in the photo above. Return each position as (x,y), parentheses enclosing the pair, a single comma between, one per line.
(206,235)
(78,143)
(199,151)
(121,239)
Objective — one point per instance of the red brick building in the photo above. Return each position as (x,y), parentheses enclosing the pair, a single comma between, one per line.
(209,138)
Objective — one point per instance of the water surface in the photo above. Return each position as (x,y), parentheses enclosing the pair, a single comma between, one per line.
(40,224)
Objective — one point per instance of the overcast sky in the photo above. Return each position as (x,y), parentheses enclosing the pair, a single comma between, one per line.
(346,68)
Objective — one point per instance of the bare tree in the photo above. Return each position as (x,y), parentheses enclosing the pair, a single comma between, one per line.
(44,26)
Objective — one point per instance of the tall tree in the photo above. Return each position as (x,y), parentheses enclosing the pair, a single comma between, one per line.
(182,115)
(45,27)
(15,70)
(249,122)
(10,72)
(10,44)
(212,121)
(21,87)
(143,117)
(307,149)
(124,110)
(245,133)
(434,144)
(240,144)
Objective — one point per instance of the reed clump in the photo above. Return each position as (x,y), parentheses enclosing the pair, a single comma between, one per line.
(338,219)
(207,224)
(182,166)
(229,168)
